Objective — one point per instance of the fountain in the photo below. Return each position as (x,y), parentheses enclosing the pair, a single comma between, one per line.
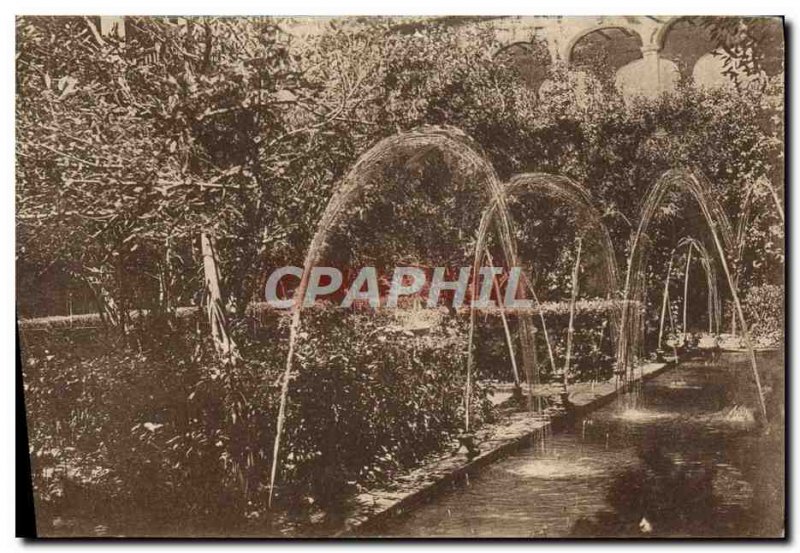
(576,197)
(714,304)
(723,239)
(466,156)
(571,329)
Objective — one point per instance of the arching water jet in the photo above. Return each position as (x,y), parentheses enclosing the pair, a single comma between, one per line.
(467,156)
(722,235)
(577,198)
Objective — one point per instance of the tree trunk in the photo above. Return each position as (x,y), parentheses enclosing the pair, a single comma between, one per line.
(165,280)
(215,307)
(106,306)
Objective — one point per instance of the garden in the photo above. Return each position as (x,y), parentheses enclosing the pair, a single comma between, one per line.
(154,200)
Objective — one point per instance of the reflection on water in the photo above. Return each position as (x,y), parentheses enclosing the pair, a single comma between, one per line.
(556,466)
(683,459)
(634,415)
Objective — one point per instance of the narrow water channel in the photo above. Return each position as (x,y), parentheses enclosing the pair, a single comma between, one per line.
(681,458)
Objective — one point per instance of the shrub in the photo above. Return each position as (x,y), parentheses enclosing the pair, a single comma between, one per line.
(592,353)
(156,434)
(764,308)
(370,397)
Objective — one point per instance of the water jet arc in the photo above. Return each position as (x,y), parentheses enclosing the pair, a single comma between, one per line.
(468,156)
(722,235)
(579,199)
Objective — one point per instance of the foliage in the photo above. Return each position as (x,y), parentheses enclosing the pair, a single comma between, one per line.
(300,115)
(591,358)
(579,127)
(181,128)
(764,308)
(372,397)
(750,46)
(190,451)
(127,150)
(103,454)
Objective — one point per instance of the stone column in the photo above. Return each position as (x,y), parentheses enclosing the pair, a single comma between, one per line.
(651,66)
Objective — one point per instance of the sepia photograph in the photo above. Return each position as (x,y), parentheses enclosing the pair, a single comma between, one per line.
(398,277)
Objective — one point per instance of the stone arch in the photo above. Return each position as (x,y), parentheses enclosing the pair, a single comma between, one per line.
(530,60)
(569,47)
(657,40)
(602,52)
(683,41)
